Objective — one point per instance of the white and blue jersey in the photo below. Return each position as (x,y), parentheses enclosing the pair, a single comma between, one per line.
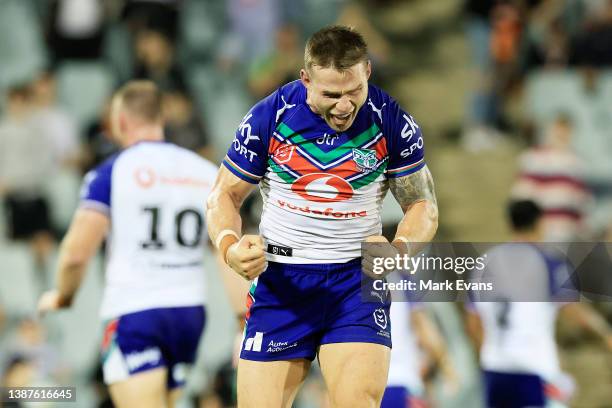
(154,194)
(404,385)
(322,189)
(519,349)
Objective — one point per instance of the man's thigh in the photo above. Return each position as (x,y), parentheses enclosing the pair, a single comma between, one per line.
(143,390)
(148,340)
(270,384)
(355,373)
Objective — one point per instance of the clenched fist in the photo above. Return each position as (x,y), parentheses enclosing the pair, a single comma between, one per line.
(247,257)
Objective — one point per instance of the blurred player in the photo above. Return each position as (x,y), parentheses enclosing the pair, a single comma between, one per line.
(517,338)
(148,199)
(324,151)
(413,334)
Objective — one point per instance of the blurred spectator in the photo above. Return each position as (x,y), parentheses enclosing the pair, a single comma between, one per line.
(99,144)
(76,29)
(183,126)
(29,341)
(22,48)
(58,125)
(252,25)
(156,15)
(546,39)
(25,167)
(18,372)
(482,110)
(155,60)
(311,15)
(278,67)
(354,14)
(593,46)
(552,176)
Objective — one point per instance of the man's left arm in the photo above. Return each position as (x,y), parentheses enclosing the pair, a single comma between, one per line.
(82,241)
(590,320)
(416,196)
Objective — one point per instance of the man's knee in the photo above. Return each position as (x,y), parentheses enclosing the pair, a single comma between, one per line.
(357,395)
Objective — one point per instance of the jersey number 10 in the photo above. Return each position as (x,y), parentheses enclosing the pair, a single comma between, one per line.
(154,241)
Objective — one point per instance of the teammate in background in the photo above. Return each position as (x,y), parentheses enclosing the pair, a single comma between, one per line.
(516,339)
(414,334)
(148,199)
(324,149)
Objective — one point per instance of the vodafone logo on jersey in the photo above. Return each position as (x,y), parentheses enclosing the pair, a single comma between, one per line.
(145,177)
(322,188)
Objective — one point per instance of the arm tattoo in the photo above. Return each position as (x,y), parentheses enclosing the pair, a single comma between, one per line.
(418,186)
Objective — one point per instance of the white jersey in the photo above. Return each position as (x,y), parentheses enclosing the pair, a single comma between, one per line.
(154,194)
(519,337)
(404,370)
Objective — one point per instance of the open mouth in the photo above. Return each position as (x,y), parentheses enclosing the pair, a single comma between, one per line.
(340,120)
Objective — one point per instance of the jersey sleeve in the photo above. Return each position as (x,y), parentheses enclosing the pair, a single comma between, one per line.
(405,141)
(96,188)
(563,288)
(247,156)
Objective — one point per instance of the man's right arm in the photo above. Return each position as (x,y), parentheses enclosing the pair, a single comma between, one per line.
(245,255)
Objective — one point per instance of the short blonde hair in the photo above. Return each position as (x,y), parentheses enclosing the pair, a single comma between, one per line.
(142,99)
(338,47)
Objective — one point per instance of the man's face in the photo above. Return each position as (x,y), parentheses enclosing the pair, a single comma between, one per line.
(337,95)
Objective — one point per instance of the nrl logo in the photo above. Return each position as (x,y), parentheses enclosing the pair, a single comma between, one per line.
(283,154)
(365,159)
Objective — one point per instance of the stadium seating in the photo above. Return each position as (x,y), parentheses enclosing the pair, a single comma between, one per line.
(565,85)
(222,101)
(21,43)
(117,50)
(18,282)
(62,192)
(549,93)
(200,28)
(83,88)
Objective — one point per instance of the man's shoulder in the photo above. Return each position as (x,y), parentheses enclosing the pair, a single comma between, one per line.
(280,102)
(378,96)
(195,159)
(106,167)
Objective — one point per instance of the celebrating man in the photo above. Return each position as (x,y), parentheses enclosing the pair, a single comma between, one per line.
(324,149)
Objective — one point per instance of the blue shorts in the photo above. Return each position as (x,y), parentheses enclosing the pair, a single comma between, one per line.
(293,309)
(400,397)
(149,339)
(514,390)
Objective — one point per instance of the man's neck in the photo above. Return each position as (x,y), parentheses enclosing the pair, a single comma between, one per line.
(145,134)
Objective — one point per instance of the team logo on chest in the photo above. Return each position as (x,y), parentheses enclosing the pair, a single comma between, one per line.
(365,159)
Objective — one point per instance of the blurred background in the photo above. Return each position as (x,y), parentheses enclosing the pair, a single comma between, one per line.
(514,98)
